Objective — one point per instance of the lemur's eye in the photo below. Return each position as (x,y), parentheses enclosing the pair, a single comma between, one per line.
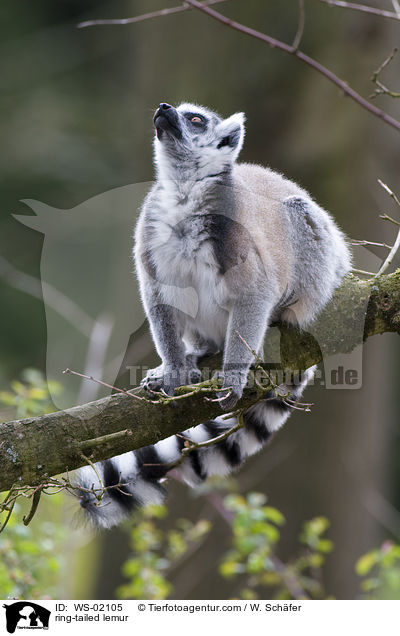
(196,120)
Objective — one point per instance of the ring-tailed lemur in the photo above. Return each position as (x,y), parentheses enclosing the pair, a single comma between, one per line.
(222,249)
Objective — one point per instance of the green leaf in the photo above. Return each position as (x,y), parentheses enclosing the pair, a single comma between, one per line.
(255,563)
(324,545)
(230,569)
(367,562)
(274,515)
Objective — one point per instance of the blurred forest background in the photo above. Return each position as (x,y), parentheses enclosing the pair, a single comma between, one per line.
(76,121)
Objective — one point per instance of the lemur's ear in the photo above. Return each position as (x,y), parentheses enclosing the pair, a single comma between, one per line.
(231,133)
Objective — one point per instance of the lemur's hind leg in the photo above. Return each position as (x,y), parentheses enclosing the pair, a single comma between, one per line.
(318,245)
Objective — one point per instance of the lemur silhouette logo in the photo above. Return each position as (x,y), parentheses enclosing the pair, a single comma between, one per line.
(26,615)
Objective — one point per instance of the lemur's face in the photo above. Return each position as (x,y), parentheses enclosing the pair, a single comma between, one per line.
(194,133)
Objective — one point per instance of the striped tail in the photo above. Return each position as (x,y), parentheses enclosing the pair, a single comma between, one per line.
(134,479)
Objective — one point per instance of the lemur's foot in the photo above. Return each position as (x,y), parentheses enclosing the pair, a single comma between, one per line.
(153,380)
(169,378)
(233,383)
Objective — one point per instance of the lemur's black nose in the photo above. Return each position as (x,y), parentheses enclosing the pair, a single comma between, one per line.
(166,118)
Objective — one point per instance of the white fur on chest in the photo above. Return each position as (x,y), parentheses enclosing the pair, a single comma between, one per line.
(183,254)
(179,243)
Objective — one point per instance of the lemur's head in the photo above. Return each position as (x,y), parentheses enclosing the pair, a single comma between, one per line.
(194,139)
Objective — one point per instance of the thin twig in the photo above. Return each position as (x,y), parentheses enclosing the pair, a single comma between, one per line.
(103,439)
(287,48)
(384,64)
(7,519)
(362,7)
(102,487)
(362,271)
(382,89)
(259,365)
(190,445)
(389,191)
(300,26)
(363,242)
(223,436)
(304,408)
(144,16)
(294,402)
(223,397)
(50,487)
(389,259)
(299,406)
(211,442)
(386,217)
(35,502)
(109,386)
(207,386)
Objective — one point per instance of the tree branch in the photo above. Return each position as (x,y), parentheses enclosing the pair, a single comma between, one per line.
(363,8)
(34,449)
(292,50)
(273,42)
(382,89)
(143,17)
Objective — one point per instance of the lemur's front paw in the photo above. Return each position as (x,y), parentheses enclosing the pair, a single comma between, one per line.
(233,383)
(153,380)
(169,378)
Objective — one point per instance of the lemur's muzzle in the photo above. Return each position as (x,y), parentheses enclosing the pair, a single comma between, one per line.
(166,119)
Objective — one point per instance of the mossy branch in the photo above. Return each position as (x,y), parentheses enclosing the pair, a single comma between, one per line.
(34,449)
